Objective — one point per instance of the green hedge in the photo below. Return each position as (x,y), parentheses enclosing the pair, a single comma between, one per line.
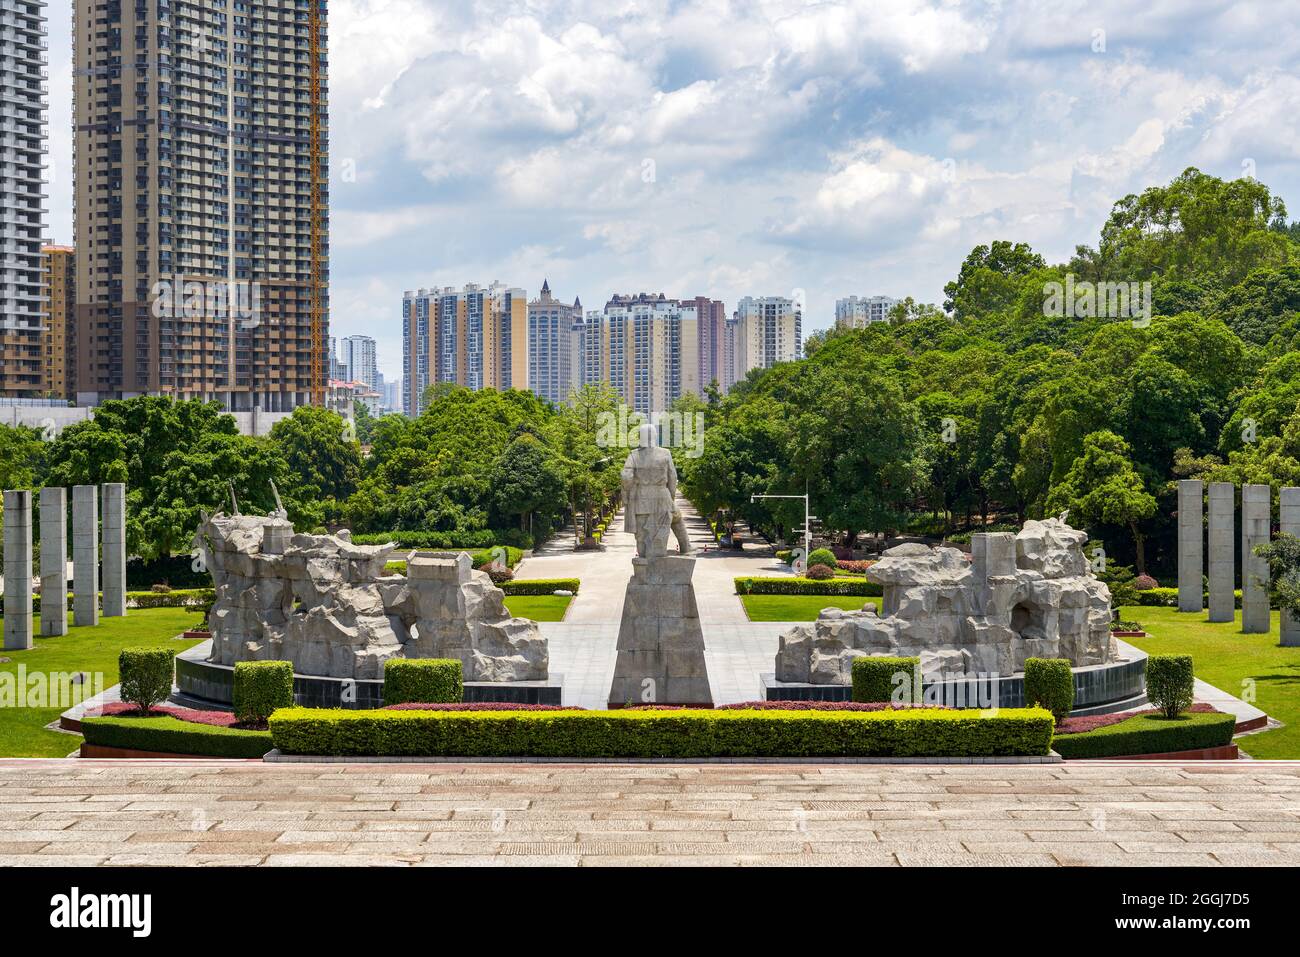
(1149,734)
(782,585)
(426,680)
(1049,684)
(919,732)
(145,675)
(173,736)
(176,598)
(1171,683)
(873,679)
(822,556)
(260,688)
(540,586)
(1168,597)
(480,551)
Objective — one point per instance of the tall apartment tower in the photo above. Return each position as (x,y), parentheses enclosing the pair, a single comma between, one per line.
(358,358)
(476,337)
(201,195)
(550,351)
(711,317)
(22,200)
(858,312)
(58,306)
(764,331)
(649,350)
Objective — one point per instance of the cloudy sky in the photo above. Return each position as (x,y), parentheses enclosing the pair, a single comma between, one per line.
(760,147)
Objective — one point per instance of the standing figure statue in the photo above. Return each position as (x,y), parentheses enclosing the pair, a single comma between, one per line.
(649,498)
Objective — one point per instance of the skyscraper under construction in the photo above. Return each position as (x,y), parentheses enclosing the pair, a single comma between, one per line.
(202,205)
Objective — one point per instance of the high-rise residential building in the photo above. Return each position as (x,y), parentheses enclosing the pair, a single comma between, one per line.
(857,312)
(645,346)
(338,372)
(58,306)
(358,360)
(550,353)
(763,332)
(22,199)
(711,324)
(475,336)
(201,195)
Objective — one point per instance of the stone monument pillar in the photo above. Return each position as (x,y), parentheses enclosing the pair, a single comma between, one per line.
(1191,552)
(54,561)
(660,643)
(1223,551)
(1256,513)
(1290,525)
(114,550)
(18,570)
(85,555)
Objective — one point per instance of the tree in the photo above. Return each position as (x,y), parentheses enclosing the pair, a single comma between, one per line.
(527,480)
(22,455)
(1103,486)
(988,279)
(320,451)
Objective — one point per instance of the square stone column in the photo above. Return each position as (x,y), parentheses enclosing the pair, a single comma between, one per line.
(1191,550)
(54,562)
(1223,551)
(1256,516)
(85,555)
(1290,525)
(114,549)
(18,570)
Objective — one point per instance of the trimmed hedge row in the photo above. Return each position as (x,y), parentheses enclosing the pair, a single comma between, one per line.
(780,585)
(874,679)
(1149,734)
(424,680)
(195,598)
(260,688)
(1168,597)
(1049,684)
(173,736)
(540,586)
(686,733)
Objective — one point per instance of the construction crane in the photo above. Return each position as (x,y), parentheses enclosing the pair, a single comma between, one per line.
(316,290)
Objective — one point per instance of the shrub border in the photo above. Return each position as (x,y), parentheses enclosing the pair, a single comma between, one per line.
(169,735)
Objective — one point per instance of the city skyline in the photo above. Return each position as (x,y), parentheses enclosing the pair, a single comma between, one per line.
(904,153)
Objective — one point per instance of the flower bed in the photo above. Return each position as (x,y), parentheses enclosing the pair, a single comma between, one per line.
(1149,732)
(915,732)
(165,734)
(1093,722)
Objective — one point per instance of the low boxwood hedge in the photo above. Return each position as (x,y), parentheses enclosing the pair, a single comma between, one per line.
(172,736)
(540,586)
(1149,734)
(782,585)
(686,733)
(874,679)
(424,680)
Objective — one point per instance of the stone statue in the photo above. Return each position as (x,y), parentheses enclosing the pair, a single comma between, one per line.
(649,498)
(280,512)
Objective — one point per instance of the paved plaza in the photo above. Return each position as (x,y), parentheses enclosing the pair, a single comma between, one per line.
(231,812)
(583,647)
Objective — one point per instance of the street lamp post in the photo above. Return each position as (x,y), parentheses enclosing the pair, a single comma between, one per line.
(807,524)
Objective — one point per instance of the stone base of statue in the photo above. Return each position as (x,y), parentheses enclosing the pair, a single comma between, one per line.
(660,644)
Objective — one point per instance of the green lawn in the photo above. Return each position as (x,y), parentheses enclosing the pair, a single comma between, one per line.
(94,650)
(538,607)
(1234,663)
(798,607)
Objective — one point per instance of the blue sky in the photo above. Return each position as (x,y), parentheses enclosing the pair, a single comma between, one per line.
(761,147)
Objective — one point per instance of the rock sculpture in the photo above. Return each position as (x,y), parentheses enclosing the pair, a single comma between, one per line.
(327,605)
(660,643)
(1029,595)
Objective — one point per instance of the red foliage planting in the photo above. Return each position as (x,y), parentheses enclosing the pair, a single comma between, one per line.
(1094,721)
(856,567)
(477,706)
(218,719)
(824,706)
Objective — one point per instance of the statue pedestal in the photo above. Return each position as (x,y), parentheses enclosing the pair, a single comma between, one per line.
(660,644)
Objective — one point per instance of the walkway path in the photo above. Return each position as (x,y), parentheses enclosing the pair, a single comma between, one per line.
(584,646)
(231,812)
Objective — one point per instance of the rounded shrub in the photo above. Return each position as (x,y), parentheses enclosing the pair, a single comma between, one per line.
(821,573)
(260,688)
(822,556)
(1171,683)
(1049,684)
(1145,583)
(883,678)
(424,680)
(146,675)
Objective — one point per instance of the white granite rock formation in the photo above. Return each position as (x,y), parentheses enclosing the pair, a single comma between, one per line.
(326,605)
(1030,595)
